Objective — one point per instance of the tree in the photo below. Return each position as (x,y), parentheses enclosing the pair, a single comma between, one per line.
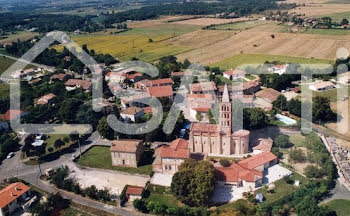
(344,22)
(140,205)
(297,155)
(104,129)
(210,117)
(254,118)
(68,109)
(199,116)
(194,182)
(282,141)
(58,143)
(312,171)
(321,110)
(294,107)
(225,162)
(280,103)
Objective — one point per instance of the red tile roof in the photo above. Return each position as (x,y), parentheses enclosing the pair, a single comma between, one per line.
(234,72)
(203,86)
(77,82)
(161,91)
(12,114)
(257,160)
(200,96)
(12,192)
(268,94)
(201,109)
(133,76)
(125,145)
(161,81)
(133,190)
(45,99)
(204,127)
(235,172)
(265,145)
(60,76)
(177,149)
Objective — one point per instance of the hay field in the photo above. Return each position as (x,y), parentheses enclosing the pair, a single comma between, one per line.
(240,59)
(210,21)
(317,10)
(284,44)
(135,43)
(23,35)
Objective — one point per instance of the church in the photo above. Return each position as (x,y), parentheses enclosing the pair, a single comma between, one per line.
(219,139)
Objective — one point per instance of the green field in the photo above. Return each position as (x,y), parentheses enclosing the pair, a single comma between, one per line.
(163,196)
(240,59)
(282,188)
(325,31)
(339,16)
(50,141)
(100,157)
(240,25)
(341,206)
(22,35)
(135,42)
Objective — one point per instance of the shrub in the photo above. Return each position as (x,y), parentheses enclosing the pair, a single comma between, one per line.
(282,141)
(297,156)
(50,149)
(225,162)
(140,205)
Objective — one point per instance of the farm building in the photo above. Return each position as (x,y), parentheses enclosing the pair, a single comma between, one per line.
(322,86)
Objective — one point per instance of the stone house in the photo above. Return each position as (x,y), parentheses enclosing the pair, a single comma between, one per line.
(126,152)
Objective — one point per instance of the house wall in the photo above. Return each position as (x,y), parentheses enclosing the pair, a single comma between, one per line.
(124,159)
(171,165)
(133,197)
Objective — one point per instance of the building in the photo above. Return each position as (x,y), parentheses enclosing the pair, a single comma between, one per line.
(126,152)
(268,94)
(321,86)
(134,100)
(203,88)
(135,77)
(264,145)
(168,158)
(161,82)
(46,99)
(238,176)
(344,78)
(219,139)
(132,113)
(12,114)
(143,84)
(116,77)
(234,74)
(134,192)
(259,162)
(13,197)
(72,84)
(106,106)
(161,91)
(60,76)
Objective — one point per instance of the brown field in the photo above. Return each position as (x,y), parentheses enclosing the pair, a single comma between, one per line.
(210,21)
(305,1)
(153,22)
(317,10)
(285,44)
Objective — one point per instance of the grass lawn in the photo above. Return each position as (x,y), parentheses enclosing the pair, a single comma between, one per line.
(297,140)
(341,206)
(240,59)
(50,142)
(100,157)
(21,35)
(161,195)
(282,188)
(337,17)
(4,91)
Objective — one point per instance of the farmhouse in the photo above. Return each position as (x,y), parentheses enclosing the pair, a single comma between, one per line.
(46,99)
(116,77)
(234,74)
(219,140)
(132,113)
(203,88)
(161,82)
(72,84)
(259,162)
(161,91)
(126,152)
(13,197)
(168,158)
(268,94)
(236,175)
(134,192)
(321,86)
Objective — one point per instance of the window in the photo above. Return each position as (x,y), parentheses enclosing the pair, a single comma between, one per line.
(169,167)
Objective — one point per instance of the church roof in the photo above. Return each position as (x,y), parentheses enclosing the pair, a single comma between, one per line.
(225,96)
(204,127)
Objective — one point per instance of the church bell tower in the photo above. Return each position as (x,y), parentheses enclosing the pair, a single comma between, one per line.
(225,113)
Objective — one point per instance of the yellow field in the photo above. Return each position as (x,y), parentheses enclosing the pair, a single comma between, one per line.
(135,43)
(210,21)
(318,10)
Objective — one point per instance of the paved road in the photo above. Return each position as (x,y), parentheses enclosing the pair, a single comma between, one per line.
(30,173)
(339,192)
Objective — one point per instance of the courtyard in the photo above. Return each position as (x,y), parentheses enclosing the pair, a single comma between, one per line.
(162,179)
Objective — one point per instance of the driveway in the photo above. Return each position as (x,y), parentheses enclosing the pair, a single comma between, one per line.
(162,179)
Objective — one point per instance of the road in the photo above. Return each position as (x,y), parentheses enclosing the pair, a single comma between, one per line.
(15,168)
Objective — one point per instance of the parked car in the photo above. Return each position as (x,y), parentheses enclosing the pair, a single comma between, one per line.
(10,155)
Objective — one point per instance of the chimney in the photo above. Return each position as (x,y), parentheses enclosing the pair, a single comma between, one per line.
(16,188)
(12,194)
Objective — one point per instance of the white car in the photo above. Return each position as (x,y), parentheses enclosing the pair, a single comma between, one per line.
(10,155)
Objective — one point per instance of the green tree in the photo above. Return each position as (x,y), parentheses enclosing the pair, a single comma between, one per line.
(321,110)
(344,22)
(58,143)
(194,182)
(282,141)
(280,103)
(254,118)
(104,129)
(225,162)
(199,116)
